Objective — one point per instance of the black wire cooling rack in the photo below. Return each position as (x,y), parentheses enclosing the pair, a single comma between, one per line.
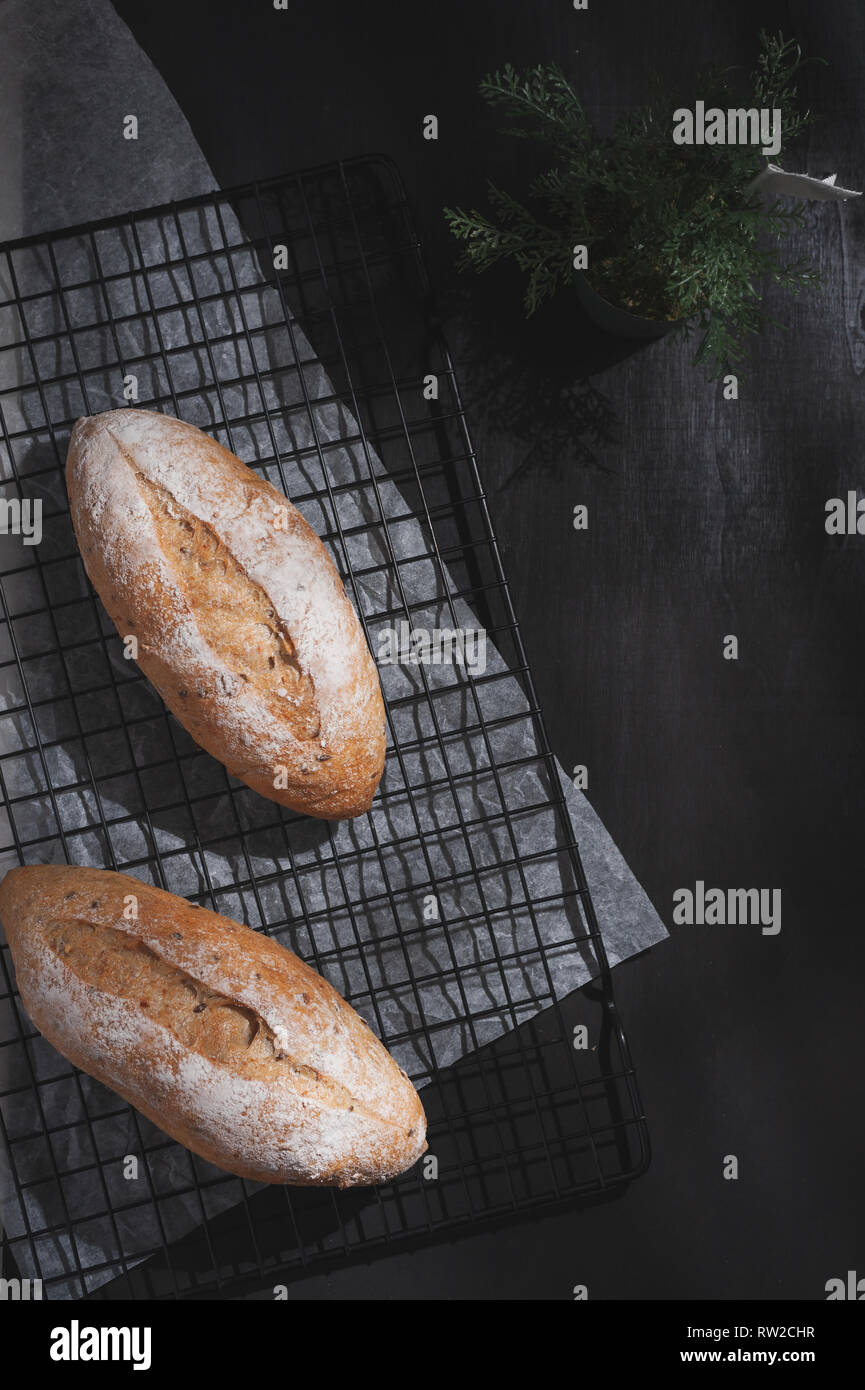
(94,770)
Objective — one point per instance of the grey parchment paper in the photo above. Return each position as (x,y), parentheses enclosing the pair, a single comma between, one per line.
(68,74)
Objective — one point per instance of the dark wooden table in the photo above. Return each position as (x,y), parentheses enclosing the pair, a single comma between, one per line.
(706,518)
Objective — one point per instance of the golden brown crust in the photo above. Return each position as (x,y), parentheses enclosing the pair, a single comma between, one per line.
(239,616)
(224,1039)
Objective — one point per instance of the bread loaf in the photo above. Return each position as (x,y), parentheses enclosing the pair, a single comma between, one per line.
(221,1037)
(238,613)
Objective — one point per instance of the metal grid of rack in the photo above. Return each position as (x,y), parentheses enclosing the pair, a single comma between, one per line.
(93,769)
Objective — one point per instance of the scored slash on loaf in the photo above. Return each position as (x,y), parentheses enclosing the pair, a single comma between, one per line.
(239,616)
(224,1039)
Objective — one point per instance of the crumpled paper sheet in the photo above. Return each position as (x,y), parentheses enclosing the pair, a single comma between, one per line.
(780,183)
(95,176)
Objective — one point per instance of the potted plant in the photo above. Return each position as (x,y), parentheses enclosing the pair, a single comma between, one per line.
(677,237)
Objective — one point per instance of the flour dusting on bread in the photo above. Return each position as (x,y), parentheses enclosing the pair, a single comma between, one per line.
(220,1036)
(202,561)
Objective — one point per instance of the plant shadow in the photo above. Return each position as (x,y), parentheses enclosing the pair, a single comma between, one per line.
(530,379)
